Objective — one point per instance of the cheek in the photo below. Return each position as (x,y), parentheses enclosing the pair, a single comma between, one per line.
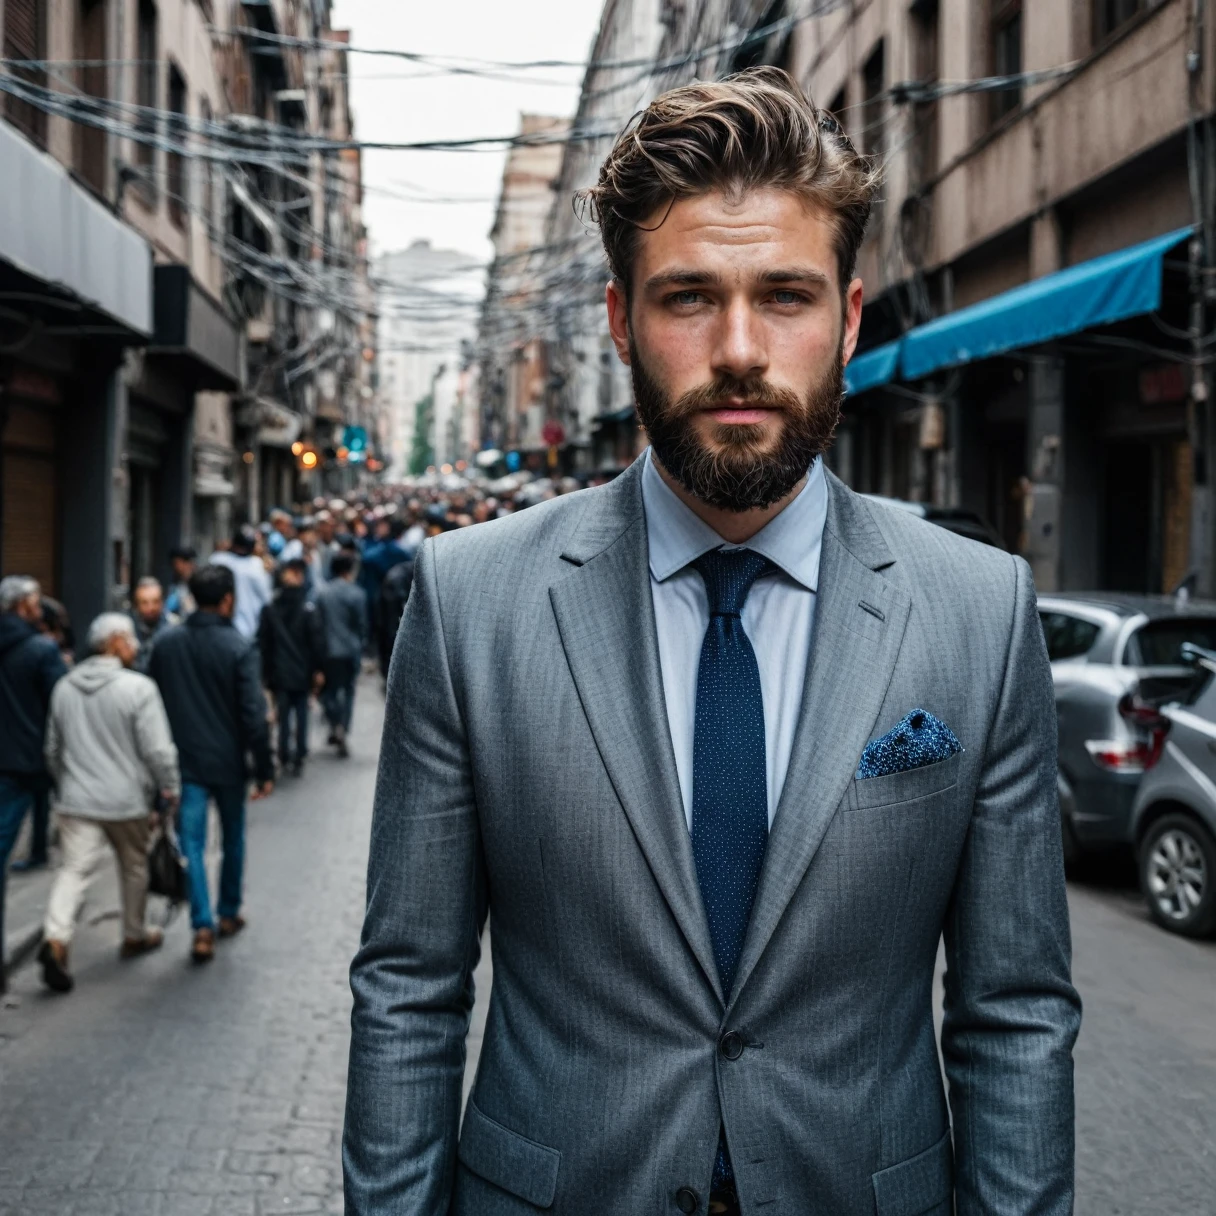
(678,352)
(803,355)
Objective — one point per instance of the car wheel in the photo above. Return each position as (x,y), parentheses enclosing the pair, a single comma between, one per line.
(1178,875)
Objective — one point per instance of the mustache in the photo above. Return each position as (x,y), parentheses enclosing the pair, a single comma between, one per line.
(727,392)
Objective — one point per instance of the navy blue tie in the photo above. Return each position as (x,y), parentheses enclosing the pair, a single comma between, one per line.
(729,772)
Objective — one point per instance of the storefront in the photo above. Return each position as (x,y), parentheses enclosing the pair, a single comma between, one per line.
(75,302)
(195,349)
(1060,410)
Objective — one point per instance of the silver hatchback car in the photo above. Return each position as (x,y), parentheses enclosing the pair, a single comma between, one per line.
(1174,813)
(1116,660)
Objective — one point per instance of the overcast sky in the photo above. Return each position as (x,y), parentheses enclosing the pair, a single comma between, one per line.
(390,106)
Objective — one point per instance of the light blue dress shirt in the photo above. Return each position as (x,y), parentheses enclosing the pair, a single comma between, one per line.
(779,614)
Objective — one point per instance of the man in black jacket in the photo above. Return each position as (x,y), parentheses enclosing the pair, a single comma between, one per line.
(292,640)
(210,679)
(30,663)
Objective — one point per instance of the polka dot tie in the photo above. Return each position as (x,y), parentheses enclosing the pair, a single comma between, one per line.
(729,773)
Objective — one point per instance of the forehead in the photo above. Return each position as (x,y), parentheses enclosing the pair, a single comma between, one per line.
(752,233)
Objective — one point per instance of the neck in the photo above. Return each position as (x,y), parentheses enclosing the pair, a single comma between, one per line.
(737,527)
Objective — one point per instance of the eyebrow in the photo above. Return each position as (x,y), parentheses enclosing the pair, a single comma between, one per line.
(796,274)
(682,278)
(705,278)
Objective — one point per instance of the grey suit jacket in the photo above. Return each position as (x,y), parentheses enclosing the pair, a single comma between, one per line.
(527,772)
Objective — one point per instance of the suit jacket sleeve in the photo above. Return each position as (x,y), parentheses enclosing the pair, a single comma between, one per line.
(1011,1013)
(426,904)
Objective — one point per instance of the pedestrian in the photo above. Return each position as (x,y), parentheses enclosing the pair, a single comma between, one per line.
(304,546)
(150,618)
(209,677)
(394,594)
(343,607)
(722,750)
(327,546)
(30,666)
(253,585)
(378,559)
(57,626)
(280,532)
(111,754)
(291,638)
(179,602)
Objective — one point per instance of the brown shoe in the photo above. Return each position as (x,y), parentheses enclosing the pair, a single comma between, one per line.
(54,959)
(203,950)
(133,947)
(230,926)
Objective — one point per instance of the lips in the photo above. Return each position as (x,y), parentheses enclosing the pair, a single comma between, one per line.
(740,414)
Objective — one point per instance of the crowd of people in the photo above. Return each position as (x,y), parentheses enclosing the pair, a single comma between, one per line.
(174,705)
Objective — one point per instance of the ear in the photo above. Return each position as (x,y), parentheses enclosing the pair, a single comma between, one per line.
(618,319)
(852,318)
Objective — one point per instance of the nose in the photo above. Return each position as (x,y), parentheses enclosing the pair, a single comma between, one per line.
(740,350)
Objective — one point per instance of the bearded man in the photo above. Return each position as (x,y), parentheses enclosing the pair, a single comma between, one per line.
(723,750)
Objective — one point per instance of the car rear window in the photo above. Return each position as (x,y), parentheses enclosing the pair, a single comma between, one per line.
(1159,643)
(1067,636)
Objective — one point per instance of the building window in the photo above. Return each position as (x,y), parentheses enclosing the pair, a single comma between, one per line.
(25,39)
(872,138)
(90,141)
(176,182)
(146,90)
(1110,15)
(1006,42)
(926,49)
(873,104)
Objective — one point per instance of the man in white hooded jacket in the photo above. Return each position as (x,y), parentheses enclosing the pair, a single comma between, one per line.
(109,751)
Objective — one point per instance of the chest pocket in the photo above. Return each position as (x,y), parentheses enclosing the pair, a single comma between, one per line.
(909,786)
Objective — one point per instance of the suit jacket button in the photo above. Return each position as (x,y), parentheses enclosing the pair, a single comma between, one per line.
(731,1045)
(687,1200)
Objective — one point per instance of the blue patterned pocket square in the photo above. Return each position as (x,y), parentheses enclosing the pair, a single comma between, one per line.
(918,740)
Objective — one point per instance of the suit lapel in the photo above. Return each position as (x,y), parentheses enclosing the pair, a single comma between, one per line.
(605,616)
(860,617)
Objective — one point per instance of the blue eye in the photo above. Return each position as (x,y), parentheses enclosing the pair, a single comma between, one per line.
(787,297)
(686,297)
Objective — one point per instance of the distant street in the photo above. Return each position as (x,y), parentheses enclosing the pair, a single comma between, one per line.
(162,1089)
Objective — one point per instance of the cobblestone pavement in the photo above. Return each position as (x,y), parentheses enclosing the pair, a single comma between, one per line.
(160,1088)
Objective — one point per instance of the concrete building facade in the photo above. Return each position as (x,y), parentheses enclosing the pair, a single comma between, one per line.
(138,256)
(1089,453)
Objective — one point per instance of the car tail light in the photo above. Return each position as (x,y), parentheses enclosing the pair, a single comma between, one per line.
(1126,755)
(1143,749)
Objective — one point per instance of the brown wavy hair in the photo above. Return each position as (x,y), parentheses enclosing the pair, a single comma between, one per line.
(751,130)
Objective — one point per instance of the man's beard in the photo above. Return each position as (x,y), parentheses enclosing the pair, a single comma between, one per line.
(741,473)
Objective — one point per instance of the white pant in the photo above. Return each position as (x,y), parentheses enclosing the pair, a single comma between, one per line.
(85,843)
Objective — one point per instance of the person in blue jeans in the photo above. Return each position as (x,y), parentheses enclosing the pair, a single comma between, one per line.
(209,677)
(30,665)
(192,831)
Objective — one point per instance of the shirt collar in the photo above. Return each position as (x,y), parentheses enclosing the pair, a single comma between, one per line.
(791,540)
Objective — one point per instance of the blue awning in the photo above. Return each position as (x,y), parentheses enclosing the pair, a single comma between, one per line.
(1112,288)
(876,367)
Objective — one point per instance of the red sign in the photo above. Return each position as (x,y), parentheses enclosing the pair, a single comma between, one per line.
(553,433)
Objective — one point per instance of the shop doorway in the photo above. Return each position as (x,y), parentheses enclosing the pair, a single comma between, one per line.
(1005,481)
(29,496)
(1148,515)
